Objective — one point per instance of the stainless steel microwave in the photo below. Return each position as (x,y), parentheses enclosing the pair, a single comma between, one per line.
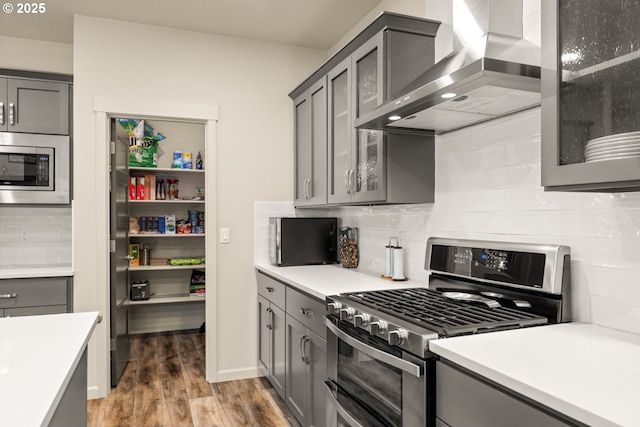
(303,241)
(34,168)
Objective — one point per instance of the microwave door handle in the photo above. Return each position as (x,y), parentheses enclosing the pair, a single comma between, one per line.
(380,355)
(339,409)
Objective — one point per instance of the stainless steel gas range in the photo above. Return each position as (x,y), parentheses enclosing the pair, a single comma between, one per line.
(381,372)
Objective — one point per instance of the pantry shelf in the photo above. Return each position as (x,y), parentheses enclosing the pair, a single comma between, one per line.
(190,202)
(169,299)
(159,235)
(165,170)
(165,267)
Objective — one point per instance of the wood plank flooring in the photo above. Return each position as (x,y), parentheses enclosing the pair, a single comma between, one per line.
(164,385)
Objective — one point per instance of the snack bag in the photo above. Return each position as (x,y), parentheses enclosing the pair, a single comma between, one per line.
(143,144)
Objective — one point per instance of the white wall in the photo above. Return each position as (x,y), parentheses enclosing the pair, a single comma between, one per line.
(36,55)
(249,81)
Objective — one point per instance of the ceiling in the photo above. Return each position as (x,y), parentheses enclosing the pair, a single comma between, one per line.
(309,23)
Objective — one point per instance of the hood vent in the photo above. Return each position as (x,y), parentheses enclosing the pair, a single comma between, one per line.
(495,75)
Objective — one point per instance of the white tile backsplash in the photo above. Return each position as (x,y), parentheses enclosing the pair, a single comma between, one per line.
(49,237)
(498,197)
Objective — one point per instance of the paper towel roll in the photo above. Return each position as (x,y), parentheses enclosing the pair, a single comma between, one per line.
(398,264)
(388,269)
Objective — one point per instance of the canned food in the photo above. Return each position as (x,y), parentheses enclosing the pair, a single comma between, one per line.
(177,160)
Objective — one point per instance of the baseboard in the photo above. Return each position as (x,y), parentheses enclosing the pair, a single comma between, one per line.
(238,374)
(93,392)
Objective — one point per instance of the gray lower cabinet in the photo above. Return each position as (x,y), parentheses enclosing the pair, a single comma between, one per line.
(34,106)
(292,348)
(463,400)
(306,371)
(271,331)
(27,297)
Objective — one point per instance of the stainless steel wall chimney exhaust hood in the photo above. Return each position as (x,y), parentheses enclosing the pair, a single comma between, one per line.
(496,75)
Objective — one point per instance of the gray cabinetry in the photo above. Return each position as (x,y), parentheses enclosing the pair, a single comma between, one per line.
(271,332)
(306,371)
(311,146)
(292,348)
(386,56)
(34,106)
(463,400)
(26,297)
(590,81)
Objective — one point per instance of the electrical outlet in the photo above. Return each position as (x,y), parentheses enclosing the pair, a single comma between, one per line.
(224,235)
(24,234)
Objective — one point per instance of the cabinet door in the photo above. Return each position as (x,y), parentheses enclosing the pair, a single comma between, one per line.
(317,353)
(368,93)
(4,108)
(317,191)
(302,148)
(340,130)
(264,336)
(38,107)
(296,376)
(590,81)
(278,350)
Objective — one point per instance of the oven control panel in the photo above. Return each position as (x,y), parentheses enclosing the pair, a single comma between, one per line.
(495,264)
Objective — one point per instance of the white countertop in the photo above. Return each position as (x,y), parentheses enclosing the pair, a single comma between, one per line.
(36,271)
(38,355)
(588,372)
(324,280)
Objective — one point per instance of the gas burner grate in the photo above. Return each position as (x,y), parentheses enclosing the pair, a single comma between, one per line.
(431,310)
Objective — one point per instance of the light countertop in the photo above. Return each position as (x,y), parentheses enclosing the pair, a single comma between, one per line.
(324,280)
(588,372)
(36,271)
(38,355)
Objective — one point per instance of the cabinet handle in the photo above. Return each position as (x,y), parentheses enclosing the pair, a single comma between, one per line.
(11,113)
(352,180)
(303,340)
(8,296)
(305,351)
(307,188)
(346,180)
(306,311)
(266,319)
(269,289)
(1,113)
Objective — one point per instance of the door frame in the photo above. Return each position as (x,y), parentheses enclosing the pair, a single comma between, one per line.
(104,108)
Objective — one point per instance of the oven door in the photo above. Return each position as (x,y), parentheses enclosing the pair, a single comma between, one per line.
(374,384)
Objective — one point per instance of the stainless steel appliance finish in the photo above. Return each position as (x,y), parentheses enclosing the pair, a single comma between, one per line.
(303,241)
(380,369)
(34,168)
(495,75)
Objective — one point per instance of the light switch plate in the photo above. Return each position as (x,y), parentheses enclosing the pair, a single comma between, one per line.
(224,235)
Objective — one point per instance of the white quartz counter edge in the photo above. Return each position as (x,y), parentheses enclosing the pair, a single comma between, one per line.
(23,273)
(321,281)
(38,355)
(588,372)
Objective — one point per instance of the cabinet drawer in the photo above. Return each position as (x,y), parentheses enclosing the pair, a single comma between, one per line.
(307,310)
(35,311)
(16,293)
(271,289)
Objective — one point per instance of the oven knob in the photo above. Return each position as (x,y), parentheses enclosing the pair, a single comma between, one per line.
(347,313)
(378,327)
(397,337)
(361,320)
(334,307)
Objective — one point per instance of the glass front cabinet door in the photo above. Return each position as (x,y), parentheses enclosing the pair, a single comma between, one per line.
(590,95)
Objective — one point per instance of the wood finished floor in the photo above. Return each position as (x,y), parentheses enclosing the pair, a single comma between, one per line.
(163,385)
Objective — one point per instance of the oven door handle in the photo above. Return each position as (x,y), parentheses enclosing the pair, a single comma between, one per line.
(380,355)
(339,409)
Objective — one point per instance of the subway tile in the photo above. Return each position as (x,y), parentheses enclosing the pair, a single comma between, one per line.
(613,283)
(535,198)
(481,158)
(522,151)
(453,142)
(514,223)
(477,200)
(615,313)
(616,253)
(512,176)
(614,200)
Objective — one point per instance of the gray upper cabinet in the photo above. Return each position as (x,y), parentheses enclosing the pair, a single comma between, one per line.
(590,96)
(34,106)
(311,146)
(361,165)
